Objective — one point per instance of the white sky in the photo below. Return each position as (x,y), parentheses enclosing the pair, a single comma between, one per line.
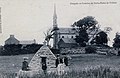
(28,19)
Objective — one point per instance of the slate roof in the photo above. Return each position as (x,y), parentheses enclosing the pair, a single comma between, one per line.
(69,40)
(27,42)
(66,30)
(12,40)
(72,31)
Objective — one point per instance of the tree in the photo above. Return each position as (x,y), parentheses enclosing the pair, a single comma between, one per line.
(48,35)
(81,27)
(116,43)
(82,38)
(12,49)
(107,29)
(101,38)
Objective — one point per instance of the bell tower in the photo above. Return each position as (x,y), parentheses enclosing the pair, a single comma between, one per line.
(54,18)
(55,28)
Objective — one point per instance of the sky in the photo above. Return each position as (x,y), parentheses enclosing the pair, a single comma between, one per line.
(29,19)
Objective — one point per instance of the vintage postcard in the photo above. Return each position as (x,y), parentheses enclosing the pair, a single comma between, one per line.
(59,38)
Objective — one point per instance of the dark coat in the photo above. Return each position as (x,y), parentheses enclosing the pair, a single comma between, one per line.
(25,65)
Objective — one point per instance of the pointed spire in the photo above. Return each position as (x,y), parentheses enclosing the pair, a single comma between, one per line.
(55,28)
(55,17)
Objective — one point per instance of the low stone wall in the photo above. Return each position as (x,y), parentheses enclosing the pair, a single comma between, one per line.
(106,51)
(73,50)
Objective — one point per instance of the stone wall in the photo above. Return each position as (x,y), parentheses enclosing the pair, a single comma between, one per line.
(73,50)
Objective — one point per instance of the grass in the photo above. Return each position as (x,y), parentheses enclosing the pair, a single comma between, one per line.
(81,66)
(93,72)
(12,64)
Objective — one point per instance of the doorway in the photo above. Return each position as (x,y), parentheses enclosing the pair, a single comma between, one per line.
(43,62)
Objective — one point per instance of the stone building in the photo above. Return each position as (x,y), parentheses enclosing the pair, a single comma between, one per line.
(12,40)
(62,35)
(67,43)
(27,42)
(43,55)
(65,37)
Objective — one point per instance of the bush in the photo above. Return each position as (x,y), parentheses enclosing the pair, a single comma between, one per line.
(11,49)
(90,49)
(20,49)
(118,53)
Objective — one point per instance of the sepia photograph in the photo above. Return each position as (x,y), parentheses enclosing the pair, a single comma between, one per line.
(59,38)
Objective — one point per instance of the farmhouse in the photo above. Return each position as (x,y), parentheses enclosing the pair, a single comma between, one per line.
(12,40)
(27,42)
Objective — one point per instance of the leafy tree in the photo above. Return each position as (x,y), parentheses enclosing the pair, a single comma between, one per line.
(82,38)
(116,43)
(31,48)
(81,27)
(20,49)
(48,35)
(12,49)
(101,38)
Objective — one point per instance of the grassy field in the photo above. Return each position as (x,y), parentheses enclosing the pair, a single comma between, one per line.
(87,60)
(12,64)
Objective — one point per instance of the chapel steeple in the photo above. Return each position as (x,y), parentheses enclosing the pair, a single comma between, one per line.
(55,18)
(55,29)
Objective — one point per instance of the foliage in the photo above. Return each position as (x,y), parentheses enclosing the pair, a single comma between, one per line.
(82,26)
(32,48)
(107,29)
(20,49)
(91,72)
(7,75)
(116,43)
(11,49)
(101,38)
(82,38)
(90,49)
(48,35)
(86,23)
(83,66)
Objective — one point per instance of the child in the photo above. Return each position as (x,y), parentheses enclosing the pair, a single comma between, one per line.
(25,66)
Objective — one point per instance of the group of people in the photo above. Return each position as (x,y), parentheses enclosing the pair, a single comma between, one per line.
(61,62)
(61,59)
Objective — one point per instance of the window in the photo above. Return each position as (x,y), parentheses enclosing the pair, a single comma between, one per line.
(71,36)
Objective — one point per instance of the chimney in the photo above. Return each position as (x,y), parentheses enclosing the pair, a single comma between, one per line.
(11,36)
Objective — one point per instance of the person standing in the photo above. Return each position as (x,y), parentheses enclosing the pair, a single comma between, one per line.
(66,61)
(57,60)
(61,69)
(25,66)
